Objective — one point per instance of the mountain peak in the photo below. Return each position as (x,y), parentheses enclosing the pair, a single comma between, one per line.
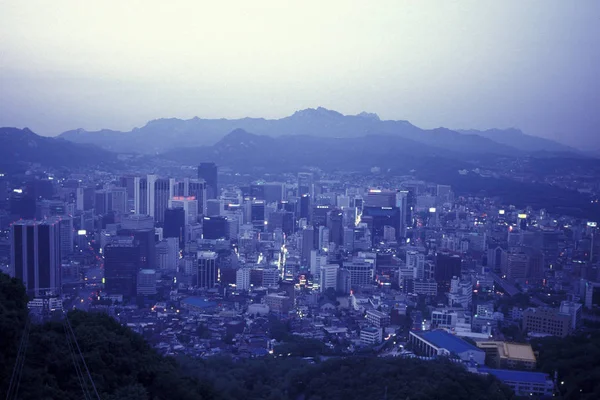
(368,115)
(317,112)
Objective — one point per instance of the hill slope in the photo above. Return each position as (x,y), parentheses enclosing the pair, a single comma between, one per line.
(24,146)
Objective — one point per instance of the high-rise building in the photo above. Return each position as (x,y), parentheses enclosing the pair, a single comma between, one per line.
(35,256)
(146,282)
(416,262)
(446,266)
(208,172)
(335,223)
(215,228)
(283,220)
(140,195)
(308,243)
(304,207)
(274,192)
(361,272)
(189,204)
(379,218)
(380,198)
(306,184)
(207,269)
(329,275)
(121,266)
(163,189)
(147,244)
(174,226)
(242,279)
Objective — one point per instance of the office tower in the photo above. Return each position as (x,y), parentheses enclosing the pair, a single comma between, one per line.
(159,202)
(85,198)
(335,223)
(380,198)
(317,260)
(208,172)
(146,282)
(167,253)
(102,202)
(349,239)
(190,206)
(343,281)
(308,243)
(283,220)
(306,184)
(128,182)
(140,195)
(274,192)
(518,265)
(258,214)
(461,293)
(322,240)
(329,276)
(207,269)
(319,215)
(381,217)
(242,279)
(50,208)
(174,226)
(35,256)
(119,200)
(416,262)
(361,272)
(402,204)
(121,266)
(548,321)
(67,235)
(446,266)
(304,207)
(146,242)
(215,228)
(215,207)
(195,188)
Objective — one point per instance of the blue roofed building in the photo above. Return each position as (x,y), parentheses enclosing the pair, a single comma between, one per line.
(523,383)
(441,343)
(198,304)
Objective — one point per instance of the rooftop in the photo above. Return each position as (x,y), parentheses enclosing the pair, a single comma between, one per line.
(517,376)
(198,302)
(442,339)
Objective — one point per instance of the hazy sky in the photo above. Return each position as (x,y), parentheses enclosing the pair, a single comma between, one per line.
(459,64)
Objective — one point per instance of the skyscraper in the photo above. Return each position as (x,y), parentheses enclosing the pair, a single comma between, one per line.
(174,223)
(208,172)
(207,269)
(121,266)
(35,255)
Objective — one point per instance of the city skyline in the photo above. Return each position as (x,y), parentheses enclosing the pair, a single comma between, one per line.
(462,65)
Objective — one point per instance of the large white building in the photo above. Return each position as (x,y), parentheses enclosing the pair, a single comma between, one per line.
(329,275)
(441,343)
(415,261)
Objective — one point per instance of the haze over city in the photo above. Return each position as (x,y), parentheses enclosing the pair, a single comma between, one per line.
(461,65)
(278,200)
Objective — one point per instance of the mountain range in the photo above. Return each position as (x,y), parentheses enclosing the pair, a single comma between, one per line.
(162,135)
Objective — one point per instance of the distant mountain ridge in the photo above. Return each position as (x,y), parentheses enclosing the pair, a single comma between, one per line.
(18,146)
(162,135)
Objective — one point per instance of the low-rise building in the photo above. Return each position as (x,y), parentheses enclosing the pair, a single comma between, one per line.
(378,319)
(370,335)
(508,355)
(441,343)
(546,320)
(524,383)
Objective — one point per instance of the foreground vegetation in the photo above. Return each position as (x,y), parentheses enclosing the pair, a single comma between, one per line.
(124,367)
